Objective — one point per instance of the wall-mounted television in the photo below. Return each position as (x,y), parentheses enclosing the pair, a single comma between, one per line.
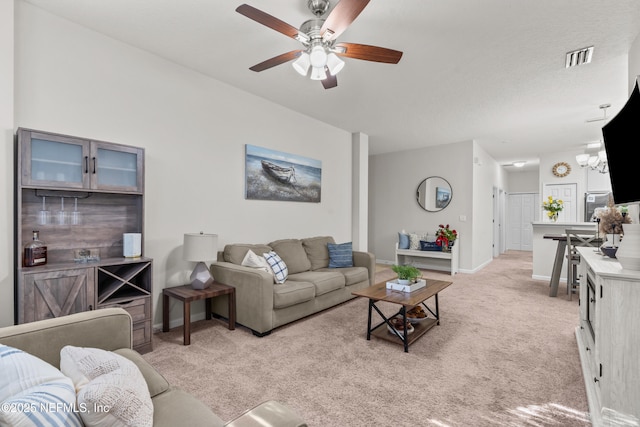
(621,138)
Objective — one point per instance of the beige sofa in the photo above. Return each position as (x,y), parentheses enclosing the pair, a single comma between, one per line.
(111,329)
(311,286)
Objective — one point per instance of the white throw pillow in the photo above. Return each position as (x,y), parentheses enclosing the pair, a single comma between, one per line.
(251,259)
(34,393)
(279,268)
(110,387)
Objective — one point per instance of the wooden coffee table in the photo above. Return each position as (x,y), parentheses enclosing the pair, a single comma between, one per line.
(187,294)
(406,300)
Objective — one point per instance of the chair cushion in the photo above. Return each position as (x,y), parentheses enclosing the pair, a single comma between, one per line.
(293,254)
(317,251)
(324,281)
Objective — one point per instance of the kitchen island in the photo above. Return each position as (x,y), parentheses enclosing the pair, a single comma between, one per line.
(544,250)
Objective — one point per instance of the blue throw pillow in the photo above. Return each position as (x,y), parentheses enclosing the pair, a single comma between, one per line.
(429,246)
(340,255)
(403,241)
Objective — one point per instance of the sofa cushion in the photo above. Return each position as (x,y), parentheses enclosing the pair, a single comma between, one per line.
(340,255)
(156,383)
(292,293)
(293,254)
(109,386)
(278,266)
(352,275)
(324,281)
(317,252)
(176,407)
(235,253)
(29,382)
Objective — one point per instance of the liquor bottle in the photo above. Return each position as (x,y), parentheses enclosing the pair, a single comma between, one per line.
(35,252)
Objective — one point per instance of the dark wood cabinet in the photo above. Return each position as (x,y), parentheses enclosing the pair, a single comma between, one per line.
(100,188)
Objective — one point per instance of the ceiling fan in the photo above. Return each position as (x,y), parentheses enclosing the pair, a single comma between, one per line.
(321,51)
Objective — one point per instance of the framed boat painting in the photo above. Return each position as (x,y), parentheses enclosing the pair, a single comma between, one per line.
(276,175)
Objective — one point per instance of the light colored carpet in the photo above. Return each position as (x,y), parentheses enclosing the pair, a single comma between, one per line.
(504,354)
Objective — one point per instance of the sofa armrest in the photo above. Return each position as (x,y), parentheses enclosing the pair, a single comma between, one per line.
(107,328)
(254,295)
(368,260)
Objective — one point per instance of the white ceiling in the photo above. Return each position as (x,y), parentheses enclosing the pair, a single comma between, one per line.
(489,70)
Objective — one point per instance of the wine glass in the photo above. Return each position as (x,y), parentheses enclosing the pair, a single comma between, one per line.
(44,216)
(75,216)
(61,214)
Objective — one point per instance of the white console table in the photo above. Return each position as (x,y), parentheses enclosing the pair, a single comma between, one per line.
(431,260)
(609,339)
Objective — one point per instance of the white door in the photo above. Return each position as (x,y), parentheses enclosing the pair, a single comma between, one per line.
(568,194)
(521,212)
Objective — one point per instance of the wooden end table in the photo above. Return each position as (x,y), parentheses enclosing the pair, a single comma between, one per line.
(406,300)
(187,294)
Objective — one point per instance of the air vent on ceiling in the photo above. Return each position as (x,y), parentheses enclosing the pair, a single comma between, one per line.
(579,57)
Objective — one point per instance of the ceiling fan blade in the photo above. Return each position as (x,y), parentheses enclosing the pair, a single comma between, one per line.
(345,12)
(276,60)
(267,20)
(368,53)
(330,81)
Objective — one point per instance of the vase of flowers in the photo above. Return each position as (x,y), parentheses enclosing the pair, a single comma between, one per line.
(552,206)
(445,237)
(610,220)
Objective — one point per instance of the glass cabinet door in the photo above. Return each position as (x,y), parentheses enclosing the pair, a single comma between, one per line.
(116,167)
(55,161)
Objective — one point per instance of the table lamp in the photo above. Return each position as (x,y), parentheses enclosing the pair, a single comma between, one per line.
(200,247)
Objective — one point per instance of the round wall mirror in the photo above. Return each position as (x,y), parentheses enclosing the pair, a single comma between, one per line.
(434,194)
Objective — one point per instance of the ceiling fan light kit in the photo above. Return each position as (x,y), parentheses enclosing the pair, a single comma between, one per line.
(318,36)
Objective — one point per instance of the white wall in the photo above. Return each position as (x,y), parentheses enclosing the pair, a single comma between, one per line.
(193,128)
(487,174)
(472,174)
(634,63)
(523,182)
(6,162)
(393,180)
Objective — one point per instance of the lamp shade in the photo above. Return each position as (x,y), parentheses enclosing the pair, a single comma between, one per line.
(200,247)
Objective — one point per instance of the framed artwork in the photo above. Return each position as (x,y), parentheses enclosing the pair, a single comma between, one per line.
(442,197)
(276,175)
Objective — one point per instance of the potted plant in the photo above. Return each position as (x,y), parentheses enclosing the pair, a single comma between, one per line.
(406,273)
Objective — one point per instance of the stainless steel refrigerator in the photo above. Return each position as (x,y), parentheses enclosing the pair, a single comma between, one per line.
(593,201)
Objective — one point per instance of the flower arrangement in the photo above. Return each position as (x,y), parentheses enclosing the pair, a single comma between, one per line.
(445,236)
(552,206)
(612,218)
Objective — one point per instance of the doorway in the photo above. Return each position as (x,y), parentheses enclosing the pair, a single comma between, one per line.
(521,212)
(568,194)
